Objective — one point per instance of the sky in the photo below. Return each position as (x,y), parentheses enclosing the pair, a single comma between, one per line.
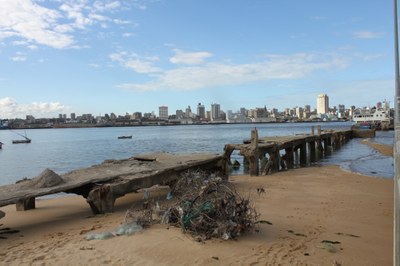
(100,57)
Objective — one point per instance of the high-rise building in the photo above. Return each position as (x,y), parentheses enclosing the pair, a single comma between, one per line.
(215,110)
(73,116)
(322,104)
(188,112)
(299,112)
(163,112)
(201,111)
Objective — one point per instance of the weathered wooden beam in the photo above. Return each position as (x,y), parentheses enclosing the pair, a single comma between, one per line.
(253,154)
(312,151)
(289,158)
(303,154)
(320,149)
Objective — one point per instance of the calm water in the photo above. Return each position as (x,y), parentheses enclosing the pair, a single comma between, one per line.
(63,150)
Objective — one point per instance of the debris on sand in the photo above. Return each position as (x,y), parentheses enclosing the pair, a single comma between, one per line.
(207,207)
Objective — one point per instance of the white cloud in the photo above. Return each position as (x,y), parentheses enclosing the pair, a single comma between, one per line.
(121,22)
(211,75)
(94,65)
(34,23)
(186,58)
(143,65)
(367,35)
(102,7)
(74,11)
(19,57)
(10,108)
(31,22)
(127,34)
(32,47)
(367,57)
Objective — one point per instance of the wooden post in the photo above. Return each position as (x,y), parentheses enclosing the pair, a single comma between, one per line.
(312,151)
(320,149)
(319,130)
(303,154)
(25,204)
(274,157)
(312,130)
(253,156)
(289,158)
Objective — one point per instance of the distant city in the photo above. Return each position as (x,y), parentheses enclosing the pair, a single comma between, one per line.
(199,115)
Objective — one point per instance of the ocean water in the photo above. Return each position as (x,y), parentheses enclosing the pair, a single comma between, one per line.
(63,150)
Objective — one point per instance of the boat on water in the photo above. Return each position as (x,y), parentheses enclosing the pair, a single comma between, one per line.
(379,118)
(18,141)
(25,140)
(124,137)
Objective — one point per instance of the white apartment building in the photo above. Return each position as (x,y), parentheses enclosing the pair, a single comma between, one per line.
(163,112)
(322,104)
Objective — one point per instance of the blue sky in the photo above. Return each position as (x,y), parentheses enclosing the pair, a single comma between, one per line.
(125,56)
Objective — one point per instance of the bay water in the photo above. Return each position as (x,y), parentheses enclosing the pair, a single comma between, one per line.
(63,150)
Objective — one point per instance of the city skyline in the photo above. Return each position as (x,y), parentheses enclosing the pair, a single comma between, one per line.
(200,111)
(96,57)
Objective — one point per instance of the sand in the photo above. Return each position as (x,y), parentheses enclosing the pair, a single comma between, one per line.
(384,149)
(304,206)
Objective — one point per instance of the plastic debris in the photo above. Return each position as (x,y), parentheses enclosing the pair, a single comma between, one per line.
(124,229)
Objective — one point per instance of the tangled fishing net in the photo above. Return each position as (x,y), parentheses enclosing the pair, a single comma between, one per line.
(207,207)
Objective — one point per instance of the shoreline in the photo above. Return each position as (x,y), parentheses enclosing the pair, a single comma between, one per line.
(305,206)
(159,123)
(384,149)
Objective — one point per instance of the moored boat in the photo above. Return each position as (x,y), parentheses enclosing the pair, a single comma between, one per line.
(18,141)
(124,137)
(25,140)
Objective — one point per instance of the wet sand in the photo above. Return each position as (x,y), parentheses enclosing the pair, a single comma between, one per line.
(318,215)
(386,150)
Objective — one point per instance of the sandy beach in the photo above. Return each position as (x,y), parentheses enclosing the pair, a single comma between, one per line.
(318,215)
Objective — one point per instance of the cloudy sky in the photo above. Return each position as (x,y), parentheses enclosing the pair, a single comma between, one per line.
(125,56)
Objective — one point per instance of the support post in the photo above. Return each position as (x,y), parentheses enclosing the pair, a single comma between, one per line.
(253,156)
(274,157)
(312,151)
(26,204)
(101,199)
(319,130)
(289,158)
(312,130)
(320,149)
(303,154)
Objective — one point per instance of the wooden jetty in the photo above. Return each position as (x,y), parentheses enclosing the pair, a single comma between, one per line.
(298,150)
(102,184)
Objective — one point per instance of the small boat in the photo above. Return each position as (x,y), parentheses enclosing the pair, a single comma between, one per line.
(18,141)
(124,137)
(25,140)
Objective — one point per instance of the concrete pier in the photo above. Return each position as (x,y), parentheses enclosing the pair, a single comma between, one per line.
(102,184)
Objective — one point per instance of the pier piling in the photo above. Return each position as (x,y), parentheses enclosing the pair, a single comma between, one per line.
(300,150)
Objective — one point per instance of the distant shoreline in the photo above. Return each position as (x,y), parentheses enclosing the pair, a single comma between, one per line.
(82,125)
